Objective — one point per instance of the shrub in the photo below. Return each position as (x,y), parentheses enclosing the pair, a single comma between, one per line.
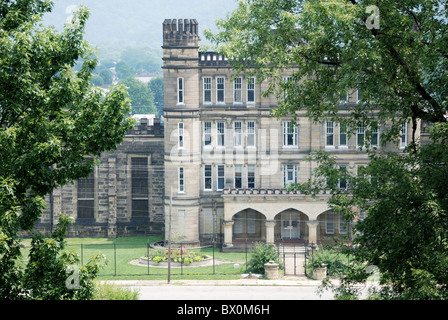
(336,262)
(107,291)
(261,254)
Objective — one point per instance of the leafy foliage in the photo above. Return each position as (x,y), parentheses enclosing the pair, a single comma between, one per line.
(51,119)
(262,253)
(399,69)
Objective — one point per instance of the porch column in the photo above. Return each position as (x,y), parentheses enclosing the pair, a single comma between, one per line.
(228,231)
(270,224)
(312,230)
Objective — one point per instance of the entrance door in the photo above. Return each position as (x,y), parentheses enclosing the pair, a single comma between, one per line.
(290,225)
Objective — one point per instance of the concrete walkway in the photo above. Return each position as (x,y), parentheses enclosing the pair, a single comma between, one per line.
(285,281)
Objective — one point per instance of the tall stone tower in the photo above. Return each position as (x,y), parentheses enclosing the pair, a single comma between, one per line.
(182,129)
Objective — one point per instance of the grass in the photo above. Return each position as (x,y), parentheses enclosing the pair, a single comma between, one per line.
(121,251)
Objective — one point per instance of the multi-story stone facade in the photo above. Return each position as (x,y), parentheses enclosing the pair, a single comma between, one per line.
(124,194)
(227,160)
(218,167)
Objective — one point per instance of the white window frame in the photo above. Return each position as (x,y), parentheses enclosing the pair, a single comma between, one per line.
(285,92)
(207,125)
(329,132)
(237,134)
(180,91)
(250,87)
(208,177)
(361,131)
(238,90)
(250,133)
(218,83)
(180,135)
(287,132)
(220,177)
(343,167)
(375,132)
(343,132)
(181,180)
(293,168)
(251,169)
(329,223)
(220,135)
(240,170)
(207,87)
(404,135)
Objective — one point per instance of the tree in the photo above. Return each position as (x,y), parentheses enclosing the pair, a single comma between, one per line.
(396,55)
(51,120)
(156,87)
(141,96)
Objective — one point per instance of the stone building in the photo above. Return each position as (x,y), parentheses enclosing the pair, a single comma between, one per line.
(227,160)
(218,167)
(123,196)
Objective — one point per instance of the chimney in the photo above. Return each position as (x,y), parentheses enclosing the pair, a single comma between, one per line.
(143,124)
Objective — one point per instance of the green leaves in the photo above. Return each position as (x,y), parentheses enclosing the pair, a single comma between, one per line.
(51,119)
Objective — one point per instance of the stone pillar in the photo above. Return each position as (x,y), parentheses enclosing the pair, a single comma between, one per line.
(57,207)
(228,233)
(312,231)
(112,200)
(271,270)
(270,224)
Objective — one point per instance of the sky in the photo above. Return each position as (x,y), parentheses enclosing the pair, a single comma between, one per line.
(138,22)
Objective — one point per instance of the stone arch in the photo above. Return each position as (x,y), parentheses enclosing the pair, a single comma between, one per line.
(249,224)
(291,225)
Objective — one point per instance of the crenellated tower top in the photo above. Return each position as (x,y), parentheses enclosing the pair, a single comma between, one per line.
(180,33)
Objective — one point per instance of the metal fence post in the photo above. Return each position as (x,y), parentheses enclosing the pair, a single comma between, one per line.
(213,257)
(147,254)
(82,255)
(115,259)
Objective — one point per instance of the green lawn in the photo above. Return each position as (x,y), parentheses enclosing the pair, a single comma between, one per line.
(121,251)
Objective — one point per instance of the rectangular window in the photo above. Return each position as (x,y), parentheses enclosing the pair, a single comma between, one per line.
(181,180)
(237,91)
(237,134)
(86,197)
(251,90)
(221,177)
(343,179)
(139,189)
(208,181)
(286,84)
(404,135)
(220,133)
(251,176)
(220,90)
(290,134)
(329,217)
(180,130)
(342,135)
(360,135)
(250,131)
(207,133)
(207,85)
(329,141)
(343,225)
(180,90)
(238,178)
(343,98)
(375,137)
(289,174)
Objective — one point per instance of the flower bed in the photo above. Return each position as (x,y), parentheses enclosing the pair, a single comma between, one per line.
(180,255)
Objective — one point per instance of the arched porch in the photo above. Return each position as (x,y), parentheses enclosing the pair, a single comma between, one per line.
(291,226)
(281,214)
